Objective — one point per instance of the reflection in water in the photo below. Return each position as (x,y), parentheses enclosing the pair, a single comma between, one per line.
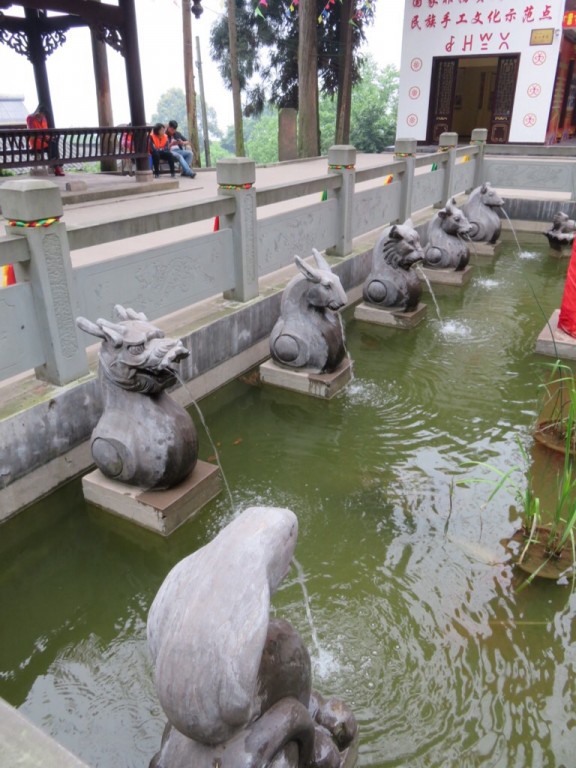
(411,608)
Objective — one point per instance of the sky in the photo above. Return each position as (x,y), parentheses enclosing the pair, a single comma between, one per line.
(160,40)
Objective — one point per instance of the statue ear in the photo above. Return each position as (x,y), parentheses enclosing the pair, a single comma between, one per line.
(112,331)
(129,314)
(409,223)
(484,189)
(394,234)
(443,213)
(89,327)
(321,262)
(309,272)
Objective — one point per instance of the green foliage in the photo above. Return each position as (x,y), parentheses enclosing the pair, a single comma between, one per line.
(217,152)
(374,110)
(172,106)
(262,138)
(268,51)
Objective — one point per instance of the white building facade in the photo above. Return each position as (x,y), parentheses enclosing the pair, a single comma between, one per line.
(479,64)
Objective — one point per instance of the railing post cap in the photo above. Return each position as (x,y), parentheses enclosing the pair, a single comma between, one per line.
(448,139)
(479,135)
(405,147)
(235,171)
(342,154)
(30,200)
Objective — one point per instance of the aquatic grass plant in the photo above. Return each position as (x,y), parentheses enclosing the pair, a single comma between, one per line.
(547,540)
(555,412)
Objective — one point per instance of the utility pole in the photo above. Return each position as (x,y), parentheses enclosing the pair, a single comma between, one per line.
(203,105)
(189,80)
(234,79)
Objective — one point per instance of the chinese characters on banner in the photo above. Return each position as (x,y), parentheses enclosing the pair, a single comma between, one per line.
(477,26)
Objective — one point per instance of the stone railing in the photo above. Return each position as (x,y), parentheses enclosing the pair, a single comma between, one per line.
(37,314)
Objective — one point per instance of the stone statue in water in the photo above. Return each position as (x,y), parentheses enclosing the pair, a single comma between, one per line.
(234,683)
(143,437)
(480,210)
(447,232)
(561,234)
(309,334)
(392,283)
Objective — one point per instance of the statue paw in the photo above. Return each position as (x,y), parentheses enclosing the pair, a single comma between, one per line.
(376,292)
(286,349)
(108,458)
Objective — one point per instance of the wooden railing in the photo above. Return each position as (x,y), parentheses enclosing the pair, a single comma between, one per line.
(18,146)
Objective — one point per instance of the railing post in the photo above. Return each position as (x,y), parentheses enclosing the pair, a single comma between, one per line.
(405,149)
(342,160)
(32,208)
(479,137)
(236,177)
(448,142)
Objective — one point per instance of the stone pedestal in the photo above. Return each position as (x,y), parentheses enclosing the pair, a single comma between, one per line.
(564,252)
(446,276)
(554,342)
(159,511)
(323,385)
(483,249)
(405,320)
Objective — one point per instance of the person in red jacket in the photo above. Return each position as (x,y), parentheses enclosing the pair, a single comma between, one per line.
(158,148)
(36,122)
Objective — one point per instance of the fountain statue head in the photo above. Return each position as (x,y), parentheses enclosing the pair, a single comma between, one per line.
(234,684)
(309,334)
(143,437)
(447,231)
(480,210)
(562,232)
(392,283)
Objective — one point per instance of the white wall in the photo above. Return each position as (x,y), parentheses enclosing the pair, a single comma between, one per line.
(476,28)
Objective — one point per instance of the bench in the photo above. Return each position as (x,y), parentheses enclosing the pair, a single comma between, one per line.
(75,145)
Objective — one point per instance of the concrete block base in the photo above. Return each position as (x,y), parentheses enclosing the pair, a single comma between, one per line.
(564,252)
(554,342)
(485,250)
(446,276)
(404,320)
(323,385)
(159,511)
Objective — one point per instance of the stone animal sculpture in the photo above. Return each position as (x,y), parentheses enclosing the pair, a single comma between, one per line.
(480,210)
(446,248)
(143,437)
(392,284)
(562,232)
(309,333)
(234,684)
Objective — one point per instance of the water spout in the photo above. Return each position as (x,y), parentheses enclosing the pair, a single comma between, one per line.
(427,281)
(212,443)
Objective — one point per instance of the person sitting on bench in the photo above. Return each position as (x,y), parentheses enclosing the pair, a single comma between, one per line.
(38,121)
(180,148)
(158,148)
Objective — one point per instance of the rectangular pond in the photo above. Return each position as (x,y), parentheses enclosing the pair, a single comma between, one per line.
(417,620)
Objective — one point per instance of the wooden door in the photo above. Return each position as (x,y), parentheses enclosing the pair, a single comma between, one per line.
(504,90)
(444,71)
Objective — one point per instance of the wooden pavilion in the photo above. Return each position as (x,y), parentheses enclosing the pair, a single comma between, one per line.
(36,35)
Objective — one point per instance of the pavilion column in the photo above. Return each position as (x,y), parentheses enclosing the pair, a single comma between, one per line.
(134,80)
(103,98)
(38,59)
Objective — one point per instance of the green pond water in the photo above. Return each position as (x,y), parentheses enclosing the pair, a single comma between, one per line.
(417,620)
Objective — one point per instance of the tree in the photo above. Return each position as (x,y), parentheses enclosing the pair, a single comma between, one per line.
(268,50)
(308,139)
(172,106)
(235,78)
(372,124)
(373,112)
